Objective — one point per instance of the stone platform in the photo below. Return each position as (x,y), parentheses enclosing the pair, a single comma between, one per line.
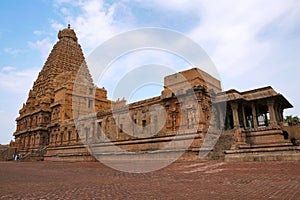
(156,148)
(284,153)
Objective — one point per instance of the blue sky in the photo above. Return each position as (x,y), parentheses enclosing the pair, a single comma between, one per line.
(252,43)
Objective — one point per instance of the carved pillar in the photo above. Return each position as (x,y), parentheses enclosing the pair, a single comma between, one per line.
(218,116)
(271,109)
(222,109)
(254,116)
(235,114)
(281,114)
(244,116)
(92,135)
(86,134)
(28,141)
(23,142)
(33,139)
(61,137)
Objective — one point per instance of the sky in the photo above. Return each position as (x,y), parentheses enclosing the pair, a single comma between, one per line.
(253,43)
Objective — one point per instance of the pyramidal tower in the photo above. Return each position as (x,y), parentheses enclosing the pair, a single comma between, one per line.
(47,116)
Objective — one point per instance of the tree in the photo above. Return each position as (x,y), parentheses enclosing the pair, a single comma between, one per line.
(291,118)
(288,118)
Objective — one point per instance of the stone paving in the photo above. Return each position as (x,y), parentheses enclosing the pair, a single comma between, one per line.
(180,180)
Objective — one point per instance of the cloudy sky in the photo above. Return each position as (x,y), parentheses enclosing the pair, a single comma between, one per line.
(252,43)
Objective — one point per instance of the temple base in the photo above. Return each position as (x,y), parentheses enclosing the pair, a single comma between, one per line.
(288,153)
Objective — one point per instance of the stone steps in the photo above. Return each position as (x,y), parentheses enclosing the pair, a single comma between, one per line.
(224,142)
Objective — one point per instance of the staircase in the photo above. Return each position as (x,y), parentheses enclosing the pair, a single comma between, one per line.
(224,142)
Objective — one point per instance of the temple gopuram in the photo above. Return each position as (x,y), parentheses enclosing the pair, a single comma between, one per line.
(68,118)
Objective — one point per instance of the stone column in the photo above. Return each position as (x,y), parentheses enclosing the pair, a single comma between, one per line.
(238,134)
(273,121)
(281,114)
(278,114)
(221,109)
(244,117)
(23,142)
(93,132)
(34,140)
(27,145)
(235,114)
(254,116)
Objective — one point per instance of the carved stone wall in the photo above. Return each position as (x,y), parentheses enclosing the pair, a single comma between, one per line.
(158,116)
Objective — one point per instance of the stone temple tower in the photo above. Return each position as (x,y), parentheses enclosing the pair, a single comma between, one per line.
(47,115)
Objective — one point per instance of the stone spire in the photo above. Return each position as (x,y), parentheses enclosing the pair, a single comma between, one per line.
(61,67)
(63,89)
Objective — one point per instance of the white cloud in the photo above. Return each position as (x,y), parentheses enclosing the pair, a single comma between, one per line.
(7,127)
(43,45)
(131,62)
(65,11)
(8,68)
(57,26)
(174,5)
(16,81)
(230,31)
(12,51)
(94,25)
(14,86)
(38,32)
(93,21)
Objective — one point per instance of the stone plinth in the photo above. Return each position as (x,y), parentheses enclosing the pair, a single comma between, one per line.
(289,153)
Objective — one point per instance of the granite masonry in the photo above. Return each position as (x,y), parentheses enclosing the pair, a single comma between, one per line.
(65,113)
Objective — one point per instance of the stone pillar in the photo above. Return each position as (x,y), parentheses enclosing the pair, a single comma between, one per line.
(281,114)
(92,135)
(27,141)
(279,117)
(34,140)
(254,116)
(244,117)
(273,121)
(235,114)
(221,109)
(23,142)
(239,137)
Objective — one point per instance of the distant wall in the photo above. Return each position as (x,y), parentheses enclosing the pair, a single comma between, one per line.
(293,131)
(6,153)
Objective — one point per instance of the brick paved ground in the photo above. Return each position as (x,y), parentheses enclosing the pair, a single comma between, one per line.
(181,180)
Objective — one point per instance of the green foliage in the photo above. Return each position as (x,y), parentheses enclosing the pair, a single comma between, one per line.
(291,118)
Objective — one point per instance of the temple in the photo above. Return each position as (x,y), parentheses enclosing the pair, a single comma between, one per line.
(67,117)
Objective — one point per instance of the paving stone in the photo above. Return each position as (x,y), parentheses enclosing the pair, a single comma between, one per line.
(180,180)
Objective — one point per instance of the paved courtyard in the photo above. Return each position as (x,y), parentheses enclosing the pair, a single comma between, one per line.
(181,180)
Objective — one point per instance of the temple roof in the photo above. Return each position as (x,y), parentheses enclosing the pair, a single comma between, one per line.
(253,95)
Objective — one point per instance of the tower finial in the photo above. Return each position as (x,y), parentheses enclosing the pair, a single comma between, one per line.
(67,33)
